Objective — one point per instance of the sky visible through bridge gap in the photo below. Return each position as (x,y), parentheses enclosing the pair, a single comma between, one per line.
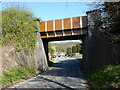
(80,41)
(53,10)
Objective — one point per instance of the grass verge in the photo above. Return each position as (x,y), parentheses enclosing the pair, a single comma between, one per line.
(51,62)
(77,56)
(105,77)
(16,74)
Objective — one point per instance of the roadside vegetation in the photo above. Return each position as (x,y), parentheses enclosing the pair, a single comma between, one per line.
(52,60)
(68,48)
(19,28)
(77,56)
(19,31)
(15,75)
(104,77)
(62,47)
(71,51)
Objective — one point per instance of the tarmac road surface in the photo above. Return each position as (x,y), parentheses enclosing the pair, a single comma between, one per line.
(65,74)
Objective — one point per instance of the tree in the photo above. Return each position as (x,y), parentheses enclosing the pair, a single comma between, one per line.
(110,26)
(78,46)
(51,48)
(110,12)
(69,51)
(74,49)
(18,28)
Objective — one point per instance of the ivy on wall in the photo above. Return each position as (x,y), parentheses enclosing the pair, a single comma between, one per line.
(19,29)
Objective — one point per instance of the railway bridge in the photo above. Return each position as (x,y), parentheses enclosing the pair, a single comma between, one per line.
(96,48)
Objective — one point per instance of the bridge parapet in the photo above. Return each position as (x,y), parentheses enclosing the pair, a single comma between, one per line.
(63,27)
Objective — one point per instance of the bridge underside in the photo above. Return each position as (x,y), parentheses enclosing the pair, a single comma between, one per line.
(97,49)
(63,29)
(62,33)
(77,36)
(74,37)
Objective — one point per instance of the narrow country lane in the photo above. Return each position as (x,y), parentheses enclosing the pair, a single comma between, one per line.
(64,74)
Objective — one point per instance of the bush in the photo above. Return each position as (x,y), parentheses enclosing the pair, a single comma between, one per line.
(18,29)
(16,74)
(105,77)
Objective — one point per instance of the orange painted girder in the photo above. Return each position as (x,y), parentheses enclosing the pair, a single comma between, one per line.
(64,24)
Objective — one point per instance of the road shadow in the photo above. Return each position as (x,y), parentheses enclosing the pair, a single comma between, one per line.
(38,78)
(64,75)
(66,68)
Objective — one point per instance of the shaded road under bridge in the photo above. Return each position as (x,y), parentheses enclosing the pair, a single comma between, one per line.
(64,74)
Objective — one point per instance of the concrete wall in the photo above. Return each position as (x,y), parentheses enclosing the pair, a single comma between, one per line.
(41,55)
(11,59)
(97,49)
(35,60)
(116,50)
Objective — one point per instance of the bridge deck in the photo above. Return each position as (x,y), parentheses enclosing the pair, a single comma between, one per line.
(63,27)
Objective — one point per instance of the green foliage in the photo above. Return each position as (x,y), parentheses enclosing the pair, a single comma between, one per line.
(69,51)
(77,56)
(52,60)
(77,48)
(62,47)
(51,48)
(16,74)
(18,29)
(105,77)
(111,20)
(74,49)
